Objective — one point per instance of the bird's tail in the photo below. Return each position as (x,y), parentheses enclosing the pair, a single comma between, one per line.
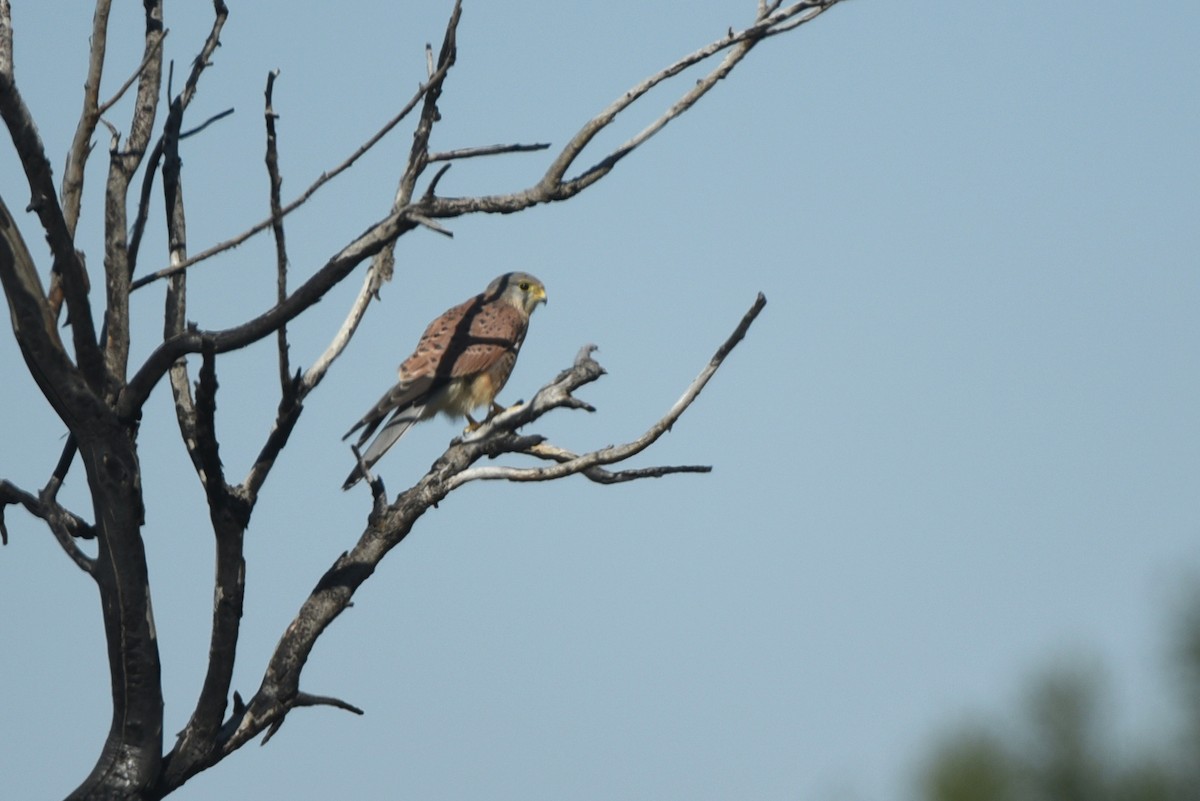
(386,438)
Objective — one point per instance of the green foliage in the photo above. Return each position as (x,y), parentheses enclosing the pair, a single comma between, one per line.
(973,765)
(1058,750)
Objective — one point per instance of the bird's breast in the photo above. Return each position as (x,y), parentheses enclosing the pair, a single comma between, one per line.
(461,395)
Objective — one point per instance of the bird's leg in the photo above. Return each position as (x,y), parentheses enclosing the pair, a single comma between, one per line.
(494,410)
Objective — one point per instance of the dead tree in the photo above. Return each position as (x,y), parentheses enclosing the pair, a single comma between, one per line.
(99,395)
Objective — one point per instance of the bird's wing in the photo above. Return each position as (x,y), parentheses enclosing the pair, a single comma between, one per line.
(466,340)
(494,330)
(395,427)
(404,395)
(422,372)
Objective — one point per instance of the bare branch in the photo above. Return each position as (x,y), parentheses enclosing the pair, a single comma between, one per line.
(203,60)
(545,450)
(81,145)
(220,115)
(306,699)
(766,8)
(64,524)
(276,182)
(63,466)
(122,166)
(116,98)
(207,443)
(418,157)
(317,371)
(796,21)
(486,150)
(137,230)
(436,227)
(174,124)
(548,398)
(431,190)
(229,512)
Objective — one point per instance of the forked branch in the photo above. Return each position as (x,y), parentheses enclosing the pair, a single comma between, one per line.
(66,526)
(68,263)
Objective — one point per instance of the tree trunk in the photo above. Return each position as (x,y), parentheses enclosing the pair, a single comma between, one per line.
(130,760)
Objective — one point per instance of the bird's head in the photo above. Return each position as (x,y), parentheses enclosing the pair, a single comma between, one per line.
(520,289)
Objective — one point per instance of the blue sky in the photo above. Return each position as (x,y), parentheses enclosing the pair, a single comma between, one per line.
(960,443)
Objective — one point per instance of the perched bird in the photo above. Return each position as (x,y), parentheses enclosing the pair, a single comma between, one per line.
(460,364)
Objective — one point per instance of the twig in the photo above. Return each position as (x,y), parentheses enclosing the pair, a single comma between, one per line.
(307,699)
(431,190)
(485,150)
(418,156)
(436,227)
(116,98)
(545,450)
(281,260)
(220,115)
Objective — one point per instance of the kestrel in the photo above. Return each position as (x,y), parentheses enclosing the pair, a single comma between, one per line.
(460,364)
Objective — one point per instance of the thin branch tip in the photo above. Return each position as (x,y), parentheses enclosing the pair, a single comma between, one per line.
(585,354)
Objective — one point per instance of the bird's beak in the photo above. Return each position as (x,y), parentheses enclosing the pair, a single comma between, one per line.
(540,296)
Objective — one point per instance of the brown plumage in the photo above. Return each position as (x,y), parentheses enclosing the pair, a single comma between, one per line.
(460,364)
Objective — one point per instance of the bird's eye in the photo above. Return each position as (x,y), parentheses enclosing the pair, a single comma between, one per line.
(524,286)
